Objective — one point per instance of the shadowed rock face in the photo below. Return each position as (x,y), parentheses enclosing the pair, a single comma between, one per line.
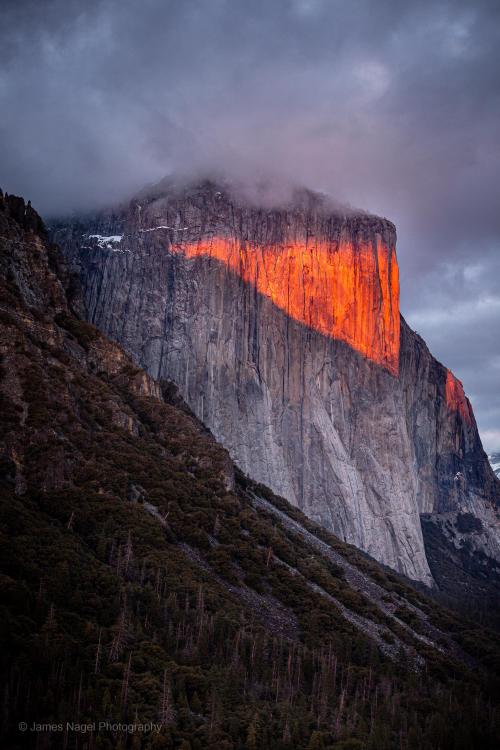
(282,330)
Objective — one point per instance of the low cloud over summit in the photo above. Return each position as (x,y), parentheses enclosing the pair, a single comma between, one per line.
(393,107)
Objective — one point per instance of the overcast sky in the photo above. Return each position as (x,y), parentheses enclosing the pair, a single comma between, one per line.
(391,106)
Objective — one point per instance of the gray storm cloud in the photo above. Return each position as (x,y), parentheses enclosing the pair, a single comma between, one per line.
(390,106)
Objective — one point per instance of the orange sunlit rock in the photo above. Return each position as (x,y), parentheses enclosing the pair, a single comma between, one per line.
(455,397)
(347,291)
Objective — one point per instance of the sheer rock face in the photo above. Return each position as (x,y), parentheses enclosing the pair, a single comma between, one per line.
(282,330)
(454,477)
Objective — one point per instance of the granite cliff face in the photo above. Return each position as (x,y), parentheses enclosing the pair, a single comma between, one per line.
(282,330)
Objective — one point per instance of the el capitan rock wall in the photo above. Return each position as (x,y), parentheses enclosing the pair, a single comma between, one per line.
(282,330)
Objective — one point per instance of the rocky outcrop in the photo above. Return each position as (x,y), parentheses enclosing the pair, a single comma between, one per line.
(281,329)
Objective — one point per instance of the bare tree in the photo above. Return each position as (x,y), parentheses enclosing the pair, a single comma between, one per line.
(126,681)
(98,654)
(167,711)
(128,554)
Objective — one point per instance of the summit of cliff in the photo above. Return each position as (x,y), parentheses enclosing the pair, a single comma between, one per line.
(265,195)
(310,208)
(331,269)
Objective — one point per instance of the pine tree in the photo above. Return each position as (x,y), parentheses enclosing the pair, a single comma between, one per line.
(195,704)
(253,739)
(316,741)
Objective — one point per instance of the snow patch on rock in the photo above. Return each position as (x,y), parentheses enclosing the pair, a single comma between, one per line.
(494,460)
(107,242)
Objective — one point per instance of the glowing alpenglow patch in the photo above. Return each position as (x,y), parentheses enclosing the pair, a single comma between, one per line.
(456,399)
(345,290)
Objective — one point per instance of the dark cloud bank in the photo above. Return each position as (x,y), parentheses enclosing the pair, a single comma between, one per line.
(390,106)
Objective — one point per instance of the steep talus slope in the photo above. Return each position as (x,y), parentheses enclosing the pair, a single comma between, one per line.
(145,579)
(281,329)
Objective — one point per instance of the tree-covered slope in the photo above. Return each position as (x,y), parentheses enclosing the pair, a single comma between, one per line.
(145,580)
